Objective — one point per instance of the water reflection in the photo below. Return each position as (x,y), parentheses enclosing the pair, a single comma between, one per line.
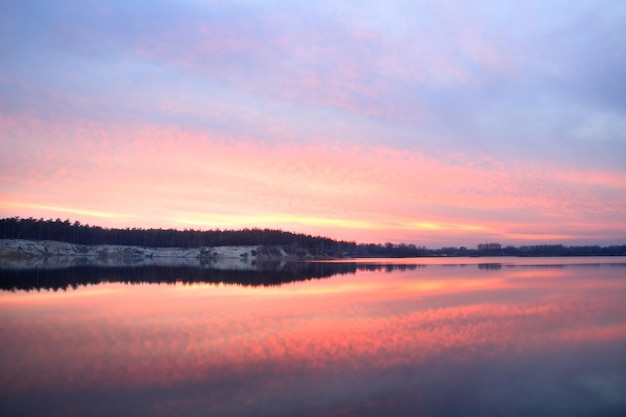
(381,340)
(30,275)
(265,274)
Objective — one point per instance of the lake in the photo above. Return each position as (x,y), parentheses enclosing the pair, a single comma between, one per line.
(375,337)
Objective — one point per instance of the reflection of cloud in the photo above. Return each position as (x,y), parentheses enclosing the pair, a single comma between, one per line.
(158,341)
(374,342)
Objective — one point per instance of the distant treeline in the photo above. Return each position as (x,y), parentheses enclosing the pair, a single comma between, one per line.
(495,249)
(292,243)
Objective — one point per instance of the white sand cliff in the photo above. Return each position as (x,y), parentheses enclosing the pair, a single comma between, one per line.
(18,253)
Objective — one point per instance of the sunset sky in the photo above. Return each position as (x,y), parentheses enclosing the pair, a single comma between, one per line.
(436,123)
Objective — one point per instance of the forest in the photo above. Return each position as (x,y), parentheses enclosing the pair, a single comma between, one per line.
(292,243)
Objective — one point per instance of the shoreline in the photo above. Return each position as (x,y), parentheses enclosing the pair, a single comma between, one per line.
(17,253)
(25,249)
(27,254)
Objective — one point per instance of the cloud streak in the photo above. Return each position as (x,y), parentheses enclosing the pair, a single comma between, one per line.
(210,181)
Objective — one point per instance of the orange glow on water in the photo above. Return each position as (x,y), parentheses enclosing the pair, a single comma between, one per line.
(375,319)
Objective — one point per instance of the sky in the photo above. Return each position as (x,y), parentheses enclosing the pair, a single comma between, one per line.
(438,123)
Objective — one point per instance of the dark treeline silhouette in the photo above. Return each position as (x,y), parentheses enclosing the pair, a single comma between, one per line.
(495,249)
(292,243)
(269,274)
(75,232)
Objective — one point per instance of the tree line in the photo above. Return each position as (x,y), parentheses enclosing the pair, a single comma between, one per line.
(292,243)
(85,234)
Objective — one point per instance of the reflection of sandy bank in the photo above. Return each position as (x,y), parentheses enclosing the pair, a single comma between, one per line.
(29,254)
(55,262)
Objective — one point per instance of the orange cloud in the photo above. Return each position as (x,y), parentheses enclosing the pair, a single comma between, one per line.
(147,176)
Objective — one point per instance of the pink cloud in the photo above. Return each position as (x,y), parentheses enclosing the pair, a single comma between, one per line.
(353,66)
(164,176)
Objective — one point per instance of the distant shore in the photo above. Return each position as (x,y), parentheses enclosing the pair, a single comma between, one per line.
(181,244)
(24,249)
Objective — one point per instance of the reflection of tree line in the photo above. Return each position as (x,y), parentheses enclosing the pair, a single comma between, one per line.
(268,274)
(389,267)
(490,266)
(55,279)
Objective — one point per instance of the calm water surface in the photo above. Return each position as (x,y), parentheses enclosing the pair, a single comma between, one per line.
(470,337)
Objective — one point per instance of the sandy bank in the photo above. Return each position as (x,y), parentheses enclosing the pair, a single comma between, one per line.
(18,253)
